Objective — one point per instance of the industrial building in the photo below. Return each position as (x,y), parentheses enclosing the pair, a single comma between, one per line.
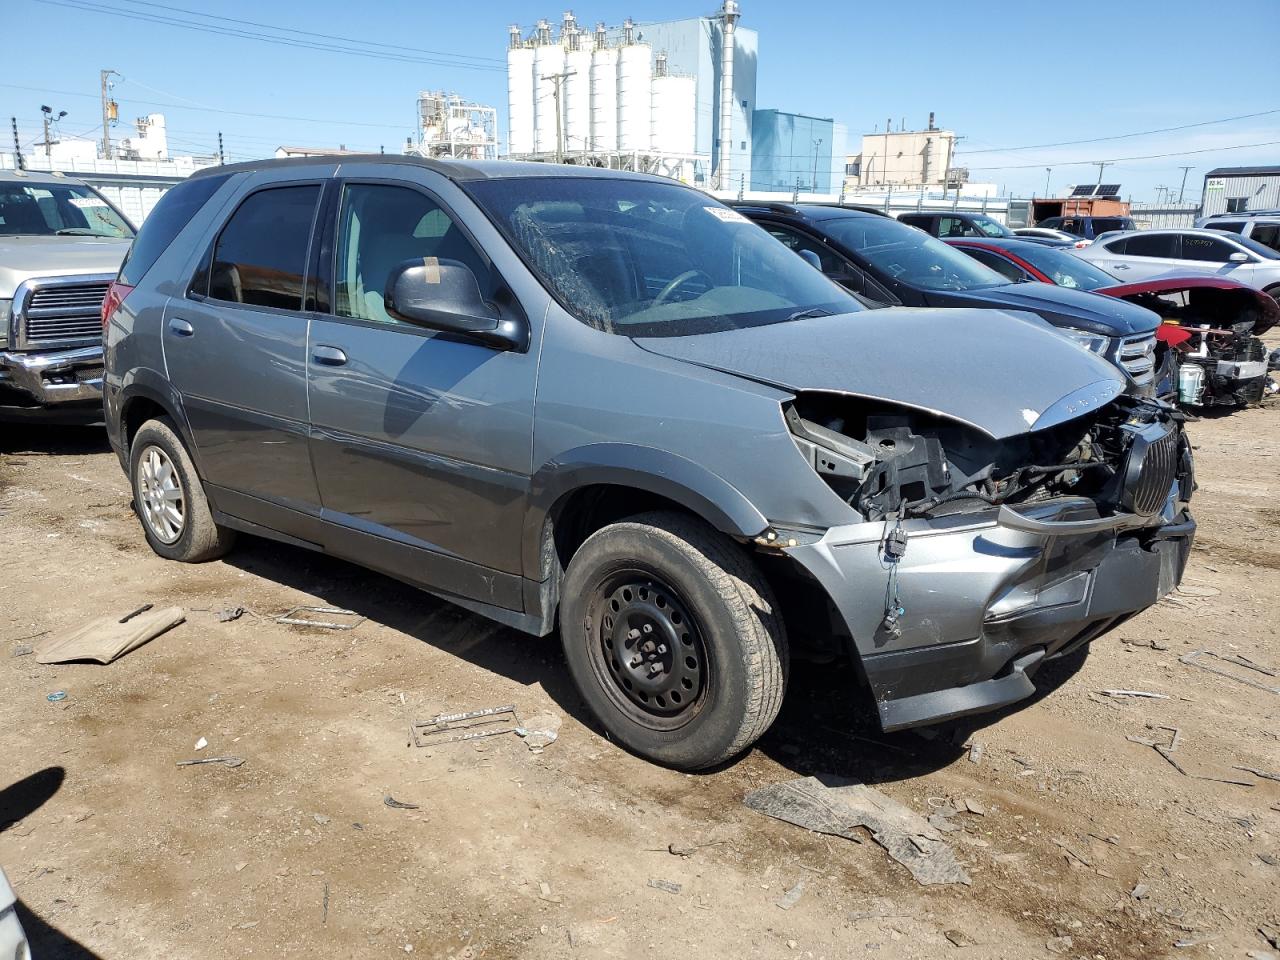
(904,158)
(676,98)
(1239,189)
(453,128)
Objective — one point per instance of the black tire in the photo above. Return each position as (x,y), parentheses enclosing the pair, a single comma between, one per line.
(720,682)
(198,538)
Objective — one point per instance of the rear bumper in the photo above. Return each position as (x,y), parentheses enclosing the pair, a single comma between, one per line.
(52,378)
(987,599)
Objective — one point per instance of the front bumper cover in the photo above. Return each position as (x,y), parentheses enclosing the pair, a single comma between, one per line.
(52,378)
(988,597)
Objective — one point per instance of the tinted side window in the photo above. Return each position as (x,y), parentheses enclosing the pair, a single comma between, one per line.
(1227,226)
(1267,234)
(261,256)
(1117,246)
(955,227)
(171,214)
(379,228)
(831,264)
(1164,245)
(997,263)
(1195,247)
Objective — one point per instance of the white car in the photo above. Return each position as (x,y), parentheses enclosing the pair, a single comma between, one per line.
(1048,233)
(13,942)
(1135,255)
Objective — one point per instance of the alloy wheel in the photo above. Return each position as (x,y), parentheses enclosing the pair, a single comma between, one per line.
(163,507)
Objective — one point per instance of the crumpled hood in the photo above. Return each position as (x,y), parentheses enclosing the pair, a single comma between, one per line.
(1002,373)
(24,257)
(1234,300)
(1077,308)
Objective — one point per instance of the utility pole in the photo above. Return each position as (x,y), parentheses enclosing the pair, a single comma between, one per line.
(1183,189)
(221,158)
(816,144)
(110,110)
(17,147)
(558,79)
(1102,166)
(49,119)
(1047,172)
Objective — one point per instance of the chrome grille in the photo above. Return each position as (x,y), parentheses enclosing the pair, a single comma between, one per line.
(1137,357)
(54,312)
(1157,470)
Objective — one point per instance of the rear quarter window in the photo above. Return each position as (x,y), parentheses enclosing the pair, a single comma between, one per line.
(171,214)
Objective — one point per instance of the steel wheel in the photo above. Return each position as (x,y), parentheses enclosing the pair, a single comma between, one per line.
(648,651)
(163,506)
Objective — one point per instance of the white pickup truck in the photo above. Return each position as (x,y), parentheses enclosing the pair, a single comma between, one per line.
(61,244)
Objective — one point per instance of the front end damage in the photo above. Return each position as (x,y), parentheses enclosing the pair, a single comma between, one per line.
(980,558)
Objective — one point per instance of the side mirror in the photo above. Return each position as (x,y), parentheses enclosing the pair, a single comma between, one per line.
(811,258)
(1238,257)
(444,295)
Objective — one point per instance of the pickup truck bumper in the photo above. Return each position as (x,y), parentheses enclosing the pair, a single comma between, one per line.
(987,598)
(51,379)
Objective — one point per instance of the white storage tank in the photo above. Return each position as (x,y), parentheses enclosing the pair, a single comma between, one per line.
(577,95)
(635,76)
(520,95)
(675,122)
(604,94)
(548,60)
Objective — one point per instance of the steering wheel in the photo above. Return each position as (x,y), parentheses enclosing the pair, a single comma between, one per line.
(679,282)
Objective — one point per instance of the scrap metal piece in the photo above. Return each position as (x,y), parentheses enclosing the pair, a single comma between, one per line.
(395,804)
(459,727)
(142,609)
(1195,659)
(108,638)
(839,807)
(666,886)
(1134,693)
(227,761)
(290,616)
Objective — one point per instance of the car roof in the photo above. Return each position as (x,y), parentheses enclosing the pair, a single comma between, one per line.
(807,211)
(453,169)
(1013,245)
(37,176)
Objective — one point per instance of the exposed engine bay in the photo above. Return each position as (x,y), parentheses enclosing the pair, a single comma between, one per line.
(887,461)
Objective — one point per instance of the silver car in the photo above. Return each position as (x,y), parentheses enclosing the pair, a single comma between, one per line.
(1135,255)
(604,403)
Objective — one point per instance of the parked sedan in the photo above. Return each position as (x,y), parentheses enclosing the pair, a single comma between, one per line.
(1055,238)
(1149,253)
(1210,323)
(889,263)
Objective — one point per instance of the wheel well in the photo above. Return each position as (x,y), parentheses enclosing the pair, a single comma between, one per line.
(137,412)
(580,513)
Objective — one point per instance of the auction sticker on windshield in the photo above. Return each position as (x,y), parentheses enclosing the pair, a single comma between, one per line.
(86,202)
(726,215)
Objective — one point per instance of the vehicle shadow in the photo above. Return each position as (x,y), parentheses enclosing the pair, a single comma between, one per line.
(17,802)
(828,726)
(34,439)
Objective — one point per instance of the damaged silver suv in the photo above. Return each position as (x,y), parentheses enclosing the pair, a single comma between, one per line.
(604,401)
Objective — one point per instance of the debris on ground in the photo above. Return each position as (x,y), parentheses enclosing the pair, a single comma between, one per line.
(459,727)
(881,908)
(339,619)
(975,752)
(228,614)
(1264,774)
(201,743)
(108,638)
(57,696)
(225,761)
(1197,658)
(959,938)
(23,650)
(395,804)
(539,731)
(792,896)
(1139,892)
(1134,693)
(1197,941)
(666,886)
(840,807)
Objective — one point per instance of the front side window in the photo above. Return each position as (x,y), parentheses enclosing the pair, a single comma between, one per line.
(1006,268)
(1066,270)
(909,255)
(1103,225)
(58,210)
(1211,249)
(987,227)
(652,259)
(260,258)
(1161,245)
(379,228)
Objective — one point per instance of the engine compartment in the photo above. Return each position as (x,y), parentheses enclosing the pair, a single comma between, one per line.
(887,461)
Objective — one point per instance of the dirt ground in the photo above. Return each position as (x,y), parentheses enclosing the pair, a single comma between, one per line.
(1091,845)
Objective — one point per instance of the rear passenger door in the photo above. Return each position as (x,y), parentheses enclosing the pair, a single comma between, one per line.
(422,441)
(1145,255)
(236,350)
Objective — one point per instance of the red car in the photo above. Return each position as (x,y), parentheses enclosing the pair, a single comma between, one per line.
(1211,324)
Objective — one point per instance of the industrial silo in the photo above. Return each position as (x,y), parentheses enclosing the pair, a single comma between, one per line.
(635,74)
(519,95)
(675,122)
(577,88)
(548,63)
(604,93)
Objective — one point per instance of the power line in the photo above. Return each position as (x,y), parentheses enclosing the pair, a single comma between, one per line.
(86,5)
(308,33)
(1119,136)
(1149,156)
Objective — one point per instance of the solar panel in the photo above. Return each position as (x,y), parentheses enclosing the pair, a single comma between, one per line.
(1107,190)
(1084,190)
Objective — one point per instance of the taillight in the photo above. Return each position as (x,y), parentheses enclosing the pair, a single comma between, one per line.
(116,292)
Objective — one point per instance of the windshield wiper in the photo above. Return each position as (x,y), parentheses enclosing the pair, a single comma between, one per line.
(76,232)
(809,314)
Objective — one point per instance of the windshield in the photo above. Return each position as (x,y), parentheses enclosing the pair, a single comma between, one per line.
(1261,249)
(992,228)
(649,259)
(1066,270)
(57,209)
(910,255)
(1106,224)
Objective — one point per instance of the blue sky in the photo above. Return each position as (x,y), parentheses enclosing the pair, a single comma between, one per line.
(1001,74)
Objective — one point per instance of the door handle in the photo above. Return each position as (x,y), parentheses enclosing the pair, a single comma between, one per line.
(180,327)
(328,356)
(1122,266)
